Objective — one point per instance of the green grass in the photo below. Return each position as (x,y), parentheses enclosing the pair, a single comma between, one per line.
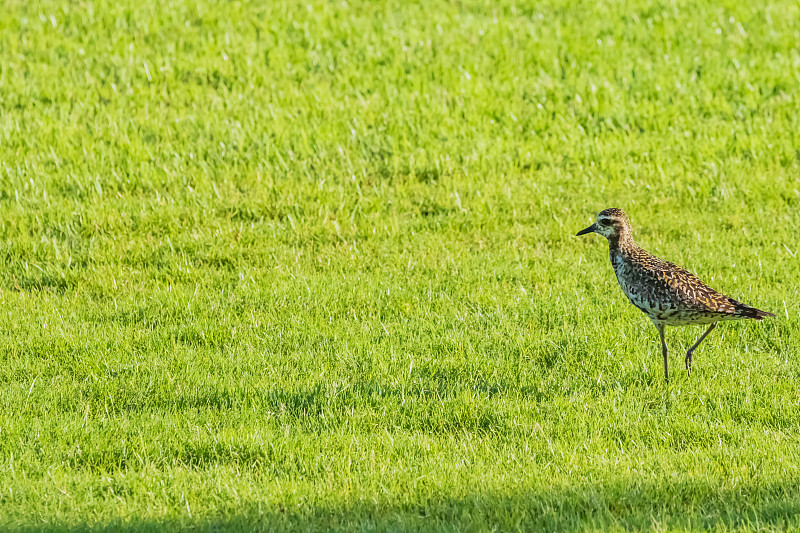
(272,265)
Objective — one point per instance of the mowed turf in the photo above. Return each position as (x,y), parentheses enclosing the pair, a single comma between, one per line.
(312,265)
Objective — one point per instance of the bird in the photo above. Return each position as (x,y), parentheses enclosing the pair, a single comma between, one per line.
(668,294)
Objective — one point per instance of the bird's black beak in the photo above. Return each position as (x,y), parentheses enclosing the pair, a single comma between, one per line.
(590,229)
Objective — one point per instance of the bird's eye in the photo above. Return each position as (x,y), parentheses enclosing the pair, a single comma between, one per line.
(604,222)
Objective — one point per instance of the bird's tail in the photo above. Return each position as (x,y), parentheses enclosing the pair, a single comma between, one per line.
(750,312)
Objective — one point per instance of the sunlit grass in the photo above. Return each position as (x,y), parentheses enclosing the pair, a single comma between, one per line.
(270,265)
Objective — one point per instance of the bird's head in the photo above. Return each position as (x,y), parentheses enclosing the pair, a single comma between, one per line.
(611,223)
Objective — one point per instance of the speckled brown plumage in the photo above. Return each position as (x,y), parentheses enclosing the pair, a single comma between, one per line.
(668,294)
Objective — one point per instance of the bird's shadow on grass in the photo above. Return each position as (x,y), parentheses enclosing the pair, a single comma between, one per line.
(620,506)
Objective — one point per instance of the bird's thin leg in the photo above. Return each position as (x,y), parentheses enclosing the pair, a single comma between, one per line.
(660,328)
(688,359)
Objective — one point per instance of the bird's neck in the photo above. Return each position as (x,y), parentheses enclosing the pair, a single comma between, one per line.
(621,245)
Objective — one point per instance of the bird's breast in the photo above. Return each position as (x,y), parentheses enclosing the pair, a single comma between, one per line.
(643,293)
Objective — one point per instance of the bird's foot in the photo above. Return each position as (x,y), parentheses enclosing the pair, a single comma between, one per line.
(688,362)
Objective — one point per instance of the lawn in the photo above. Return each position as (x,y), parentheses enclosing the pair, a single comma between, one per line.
(312,266)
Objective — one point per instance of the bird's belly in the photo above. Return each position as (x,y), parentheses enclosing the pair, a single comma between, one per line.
(697,317)
(691,318)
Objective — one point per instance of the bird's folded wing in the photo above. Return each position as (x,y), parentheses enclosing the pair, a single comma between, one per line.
(692,291)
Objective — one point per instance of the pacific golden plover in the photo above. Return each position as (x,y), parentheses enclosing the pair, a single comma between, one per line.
(668,294)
